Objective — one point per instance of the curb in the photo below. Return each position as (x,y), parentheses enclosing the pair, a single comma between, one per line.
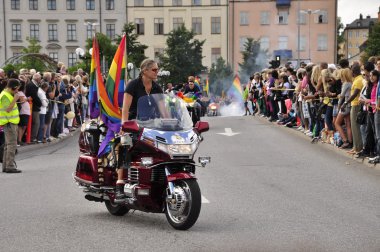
(30,147)
(325,145)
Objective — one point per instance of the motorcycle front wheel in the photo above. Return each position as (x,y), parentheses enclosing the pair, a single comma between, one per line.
(184,205)
(115,209)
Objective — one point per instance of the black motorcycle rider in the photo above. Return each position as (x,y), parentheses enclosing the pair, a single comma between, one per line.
(192,88)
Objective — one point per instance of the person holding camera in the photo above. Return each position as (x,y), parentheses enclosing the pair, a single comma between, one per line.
(9,119)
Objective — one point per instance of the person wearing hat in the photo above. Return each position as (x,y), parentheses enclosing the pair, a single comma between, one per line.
(9,119)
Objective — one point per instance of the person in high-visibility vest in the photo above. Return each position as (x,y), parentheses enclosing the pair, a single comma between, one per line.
(9,119)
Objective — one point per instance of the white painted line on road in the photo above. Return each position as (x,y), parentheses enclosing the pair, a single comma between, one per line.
(204,200)
(228,132)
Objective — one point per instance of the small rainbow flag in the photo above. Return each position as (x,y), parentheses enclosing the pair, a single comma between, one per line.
(235,90)
(93,88)
(206,87)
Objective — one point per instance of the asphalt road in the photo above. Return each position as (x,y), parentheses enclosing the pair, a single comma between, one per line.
(267,189)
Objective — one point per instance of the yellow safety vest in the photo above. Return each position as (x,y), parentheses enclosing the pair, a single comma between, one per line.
(11,117)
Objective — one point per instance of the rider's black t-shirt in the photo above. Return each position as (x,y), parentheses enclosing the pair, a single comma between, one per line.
(194,90)
(136,89)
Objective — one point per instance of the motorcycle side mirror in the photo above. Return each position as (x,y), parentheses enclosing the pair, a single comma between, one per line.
(201,126)
(130,127)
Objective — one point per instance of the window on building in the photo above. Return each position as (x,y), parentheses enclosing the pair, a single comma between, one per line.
(33,4)
(349,45)
(139,2)
(357,45)
(322,17)
(52,32)
(71,32)
(16,32)
(196,2)
(322,42)
(177,22)
(196,25)
(358,34)
(157,53)
(110,31)
(110,4)
(51,4)
(301,17)
(158,26)
(15,4)
(215,25)
(89,31)
(35,31)
(90,4)
(215,2)
(158,3)
(140,27)
(350,34)
(215,55)
(54,56)
(265,17)
(72,59)
(364,34)
(177,2)
(283,17)
(264,43)
(242,42)
(70,4)
(282,42)
(244,20)
(302,43)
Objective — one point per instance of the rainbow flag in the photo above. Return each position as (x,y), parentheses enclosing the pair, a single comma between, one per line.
(197,82)
(111,94)
(93,88)
(235,90)
(206,87)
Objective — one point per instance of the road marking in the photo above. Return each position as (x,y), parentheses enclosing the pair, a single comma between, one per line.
(228,132)
(204,200)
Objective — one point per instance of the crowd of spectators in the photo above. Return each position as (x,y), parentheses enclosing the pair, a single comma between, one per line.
(337,104)
(56,102)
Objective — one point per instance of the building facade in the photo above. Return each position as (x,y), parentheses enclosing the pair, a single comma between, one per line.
(295,30)
(155,19)
(355,35)
(60,26)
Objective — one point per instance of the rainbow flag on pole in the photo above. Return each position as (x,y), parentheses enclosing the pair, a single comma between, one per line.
(206,87)
(111,95)
(236,90)
(93,88)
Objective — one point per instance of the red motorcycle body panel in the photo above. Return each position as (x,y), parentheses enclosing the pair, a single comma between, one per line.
(180,176)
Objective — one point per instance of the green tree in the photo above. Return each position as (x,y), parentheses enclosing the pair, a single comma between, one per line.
(135,50)
(33,47)
(340,37)
(373,43)
(183,55)
(106,49)
(220,76)
(253,59)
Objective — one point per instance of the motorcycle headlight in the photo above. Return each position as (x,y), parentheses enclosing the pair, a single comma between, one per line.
(178,149)
(213,107)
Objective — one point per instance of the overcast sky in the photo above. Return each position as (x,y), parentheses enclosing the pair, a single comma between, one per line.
(349,10)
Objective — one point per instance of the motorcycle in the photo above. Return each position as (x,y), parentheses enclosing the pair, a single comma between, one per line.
(157,152)
(193,107)
(213,109)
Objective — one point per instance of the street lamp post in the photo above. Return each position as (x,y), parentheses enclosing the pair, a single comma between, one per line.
(309,12)
(163,74)
(130,67)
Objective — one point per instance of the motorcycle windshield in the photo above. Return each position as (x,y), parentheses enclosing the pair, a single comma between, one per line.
(163,112)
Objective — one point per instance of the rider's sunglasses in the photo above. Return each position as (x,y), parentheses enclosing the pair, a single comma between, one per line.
(154,70)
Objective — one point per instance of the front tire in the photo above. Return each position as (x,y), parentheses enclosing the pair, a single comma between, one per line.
(183,210)
(115,209)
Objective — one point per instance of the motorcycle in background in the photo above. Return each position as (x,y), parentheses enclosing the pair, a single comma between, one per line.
(158,153)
